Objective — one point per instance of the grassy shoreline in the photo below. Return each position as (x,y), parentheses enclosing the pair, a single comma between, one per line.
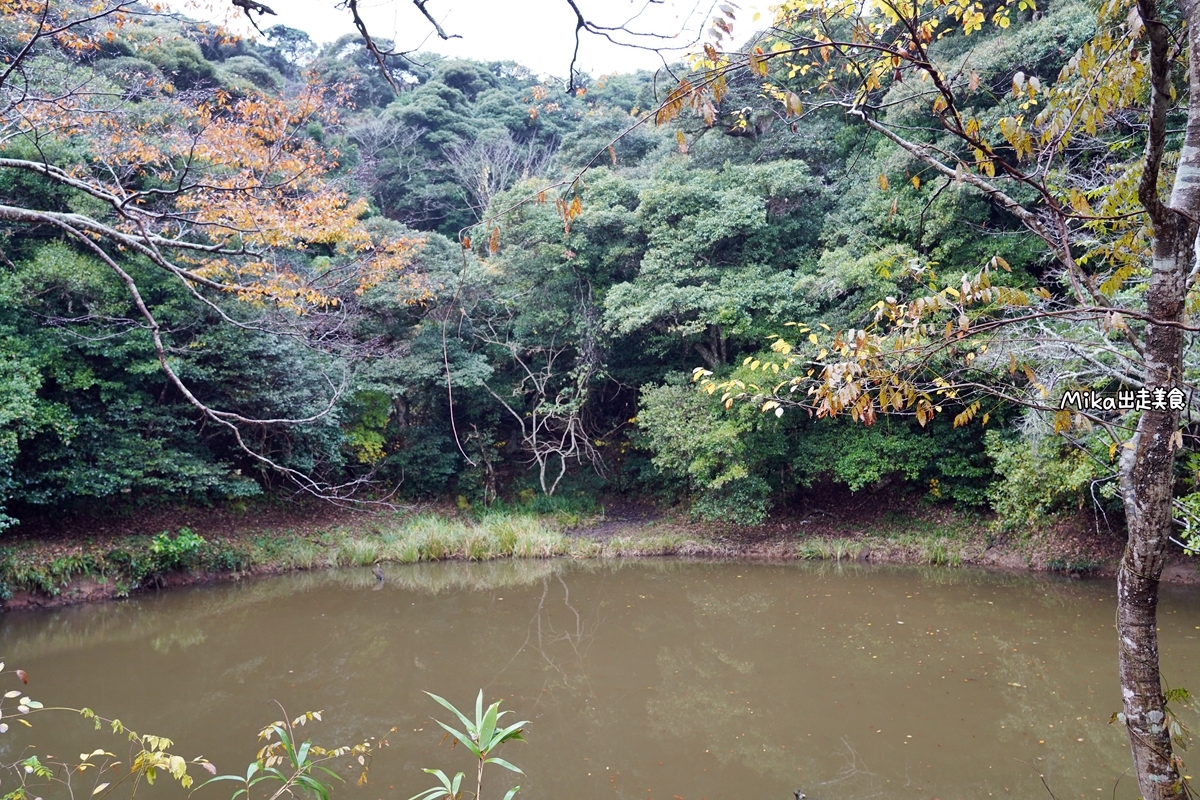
(76,567)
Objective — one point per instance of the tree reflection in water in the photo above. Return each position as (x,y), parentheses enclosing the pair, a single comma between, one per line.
(642,679)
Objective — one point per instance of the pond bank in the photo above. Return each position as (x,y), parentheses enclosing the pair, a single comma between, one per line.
(67,560)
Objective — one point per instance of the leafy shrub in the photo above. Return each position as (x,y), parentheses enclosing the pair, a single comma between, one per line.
(1037,479)
(131,568)
(721,455)
(178,553)
(253,71)
(858,456)
(575,504)
(951,462)
(745,500)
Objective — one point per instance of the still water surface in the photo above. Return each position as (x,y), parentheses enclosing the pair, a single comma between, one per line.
(649,679)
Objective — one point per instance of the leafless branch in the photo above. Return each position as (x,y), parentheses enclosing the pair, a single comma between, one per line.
(369,43)
(248,6)
(441,32)
(484,167)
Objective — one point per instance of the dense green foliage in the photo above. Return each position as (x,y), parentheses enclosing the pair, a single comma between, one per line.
(536,351)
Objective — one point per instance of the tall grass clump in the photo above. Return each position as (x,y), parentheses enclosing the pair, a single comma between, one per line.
(813,550)
(436,537)
(537,541)
(358,552)
(301,553)
(829,550)
(585,548)
(845,549)
(940,553)
(504,528)
(660,544)
(478,545)
(402,550)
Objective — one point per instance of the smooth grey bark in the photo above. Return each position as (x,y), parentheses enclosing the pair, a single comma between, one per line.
(1147,464)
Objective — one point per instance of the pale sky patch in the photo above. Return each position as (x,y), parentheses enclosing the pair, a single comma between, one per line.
(536,33)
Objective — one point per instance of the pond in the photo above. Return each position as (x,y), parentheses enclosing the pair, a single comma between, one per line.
(645,679)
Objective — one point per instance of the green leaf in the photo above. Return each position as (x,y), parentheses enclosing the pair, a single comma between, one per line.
(466,722)
(448,788)
(283,736)
(1179,695)
(488,726)
(511,733)
(465,740)
(511,792)
(430,794)
(330,773)
(504,764)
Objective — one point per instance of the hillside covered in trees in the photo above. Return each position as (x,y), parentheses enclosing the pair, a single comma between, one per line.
(565,270)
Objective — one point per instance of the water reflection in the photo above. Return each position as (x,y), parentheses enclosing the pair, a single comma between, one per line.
(651,679)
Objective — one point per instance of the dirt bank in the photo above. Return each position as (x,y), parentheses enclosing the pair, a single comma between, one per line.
(54,561)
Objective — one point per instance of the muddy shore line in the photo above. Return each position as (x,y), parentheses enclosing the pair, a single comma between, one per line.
(91,551)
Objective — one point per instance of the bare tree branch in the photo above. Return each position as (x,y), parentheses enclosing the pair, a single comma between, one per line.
(369,43)
(248,6)
(484,167)
(420,4)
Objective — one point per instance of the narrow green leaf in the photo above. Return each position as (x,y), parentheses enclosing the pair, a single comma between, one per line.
(447,704)
(330,773)
(466,741)
(430,794)
(508,733)
(488,727)
(504,764)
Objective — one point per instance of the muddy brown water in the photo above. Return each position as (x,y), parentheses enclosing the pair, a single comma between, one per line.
(651,679)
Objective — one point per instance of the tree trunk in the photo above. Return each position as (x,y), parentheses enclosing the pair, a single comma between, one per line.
(716,353)
(1146,486)
(1147,465)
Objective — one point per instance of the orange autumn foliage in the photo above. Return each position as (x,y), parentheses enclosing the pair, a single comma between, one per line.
(227,192)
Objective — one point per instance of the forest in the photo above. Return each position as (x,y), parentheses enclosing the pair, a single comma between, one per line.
(519,350)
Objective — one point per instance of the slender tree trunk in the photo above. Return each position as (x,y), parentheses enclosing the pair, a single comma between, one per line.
(711,357)
(1146,472)
(1147,466)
